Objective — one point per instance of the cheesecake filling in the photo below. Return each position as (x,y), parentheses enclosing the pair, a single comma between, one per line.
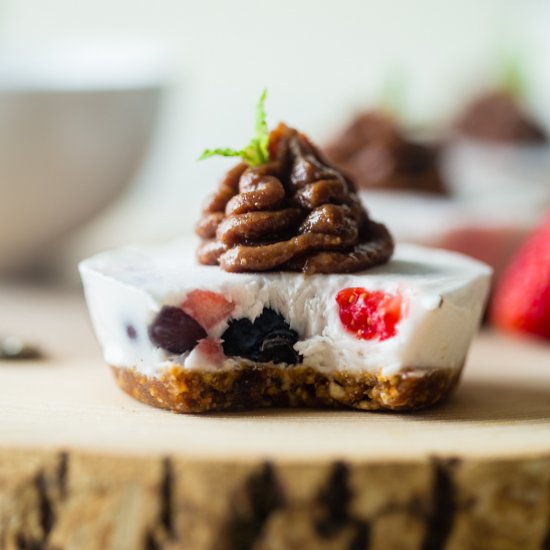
(153,309)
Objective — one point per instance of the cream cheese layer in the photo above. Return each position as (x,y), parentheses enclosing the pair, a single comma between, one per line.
(443,296)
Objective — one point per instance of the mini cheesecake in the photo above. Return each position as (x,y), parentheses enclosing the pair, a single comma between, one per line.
(192,338)
(498,151)
(293,297)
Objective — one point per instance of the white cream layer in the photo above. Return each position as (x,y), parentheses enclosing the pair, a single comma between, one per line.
(445,293)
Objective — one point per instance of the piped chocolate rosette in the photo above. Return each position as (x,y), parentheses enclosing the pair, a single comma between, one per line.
(499,117)
(286,208)
(378,154)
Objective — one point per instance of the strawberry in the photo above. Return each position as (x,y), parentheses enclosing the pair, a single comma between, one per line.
(522,299)
(369,315)
(206,354)
(207,308)
(211,349)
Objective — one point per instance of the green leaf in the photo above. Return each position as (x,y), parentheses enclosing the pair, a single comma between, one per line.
(251,155)
(394,94)
(512,75)
(262,133)
(207,153)
(257,151)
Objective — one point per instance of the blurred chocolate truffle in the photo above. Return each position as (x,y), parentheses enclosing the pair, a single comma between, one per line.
(498,116)
(377,154)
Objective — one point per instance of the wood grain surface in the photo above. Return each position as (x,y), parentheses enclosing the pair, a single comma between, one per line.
(82,465)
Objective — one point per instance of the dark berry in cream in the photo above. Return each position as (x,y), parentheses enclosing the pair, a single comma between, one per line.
(268,338)
(175,331)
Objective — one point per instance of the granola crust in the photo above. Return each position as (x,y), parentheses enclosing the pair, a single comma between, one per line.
(252,386)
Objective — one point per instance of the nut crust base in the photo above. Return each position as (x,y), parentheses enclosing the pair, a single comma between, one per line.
(253,386)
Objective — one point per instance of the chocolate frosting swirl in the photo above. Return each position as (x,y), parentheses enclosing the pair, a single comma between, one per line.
(498,116)
(378,154)
(295,212)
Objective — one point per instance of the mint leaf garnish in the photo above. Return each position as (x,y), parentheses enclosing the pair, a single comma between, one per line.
(512,75)
(394,94)
(207,153)
(257,151)
(261,139)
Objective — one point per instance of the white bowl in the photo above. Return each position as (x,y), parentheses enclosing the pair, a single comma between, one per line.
(75,124)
